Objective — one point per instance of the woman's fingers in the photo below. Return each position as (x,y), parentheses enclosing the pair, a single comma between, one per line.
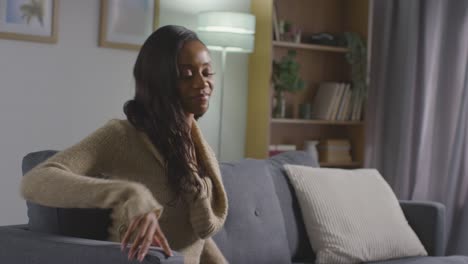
(163,241)
(147,231)
(146,242)
(139,239)
(145,225)
(156,242)
(129,232)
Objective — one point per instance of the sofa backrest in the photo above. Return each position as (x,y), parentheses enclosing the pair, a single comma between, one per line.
(254,231)
(299,245)
(74,222)
(264,224)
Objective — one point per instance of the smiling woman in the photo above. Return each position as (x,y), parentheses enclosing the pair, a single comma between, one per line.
(195,70)
(154,169)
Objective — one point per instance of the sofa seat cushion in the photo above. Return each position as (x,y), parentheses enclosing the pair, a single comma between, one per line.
(426,260)
(418,260)
(254,231)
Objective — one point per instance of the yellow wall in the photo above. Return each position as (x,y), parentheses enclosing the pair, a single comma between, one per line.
(258,112)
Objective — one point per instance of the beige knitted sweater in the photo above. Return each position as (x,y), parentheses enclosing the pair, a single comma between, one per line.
(117,167)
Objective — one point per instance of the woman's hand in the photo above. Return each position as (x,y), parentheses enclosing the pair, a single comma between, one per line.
(147,232)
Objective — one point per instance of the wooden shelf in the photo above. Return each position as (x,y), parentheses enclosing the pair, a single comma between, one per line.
(313,122)
(318,63)
(341,165)
(292,45)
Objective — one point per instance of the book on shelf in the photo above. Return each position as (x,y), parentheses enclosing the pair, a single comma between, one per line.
(324,100)
(339,107)
(358,104)
(330,100)
(335,151)
(276,33)
(336,101)
(335,142)
(360,107)
(328,157)
(279,148)
(347,105)
(355,102)
(343,102)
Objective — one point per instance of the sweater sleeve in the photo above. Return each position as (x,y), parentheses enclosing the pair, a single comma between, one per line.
(208,209)
(73,178)
(205,217)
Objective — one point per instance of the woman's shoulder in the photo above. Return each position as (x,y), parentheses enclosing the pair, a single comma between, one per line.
(118,128)
(121,125)
(118,124)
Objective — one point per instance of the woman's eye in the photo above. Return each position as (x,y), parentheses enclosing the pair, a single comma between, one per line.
(208,73)
(185,74)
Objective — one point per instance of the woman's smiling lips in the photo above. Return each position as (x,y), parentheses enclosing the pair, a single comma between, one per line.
(202,98)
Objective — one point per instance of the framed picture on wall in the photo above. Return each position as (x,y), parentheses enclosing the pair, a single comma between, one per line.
(29,20)
(125,24)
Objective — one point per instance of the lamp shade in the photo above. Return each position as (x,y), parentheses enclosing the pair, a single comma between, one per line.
(227,30)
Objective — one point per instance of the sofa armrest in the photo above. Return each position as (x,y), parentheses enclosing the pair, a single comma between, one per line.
(428,222)
(21,246)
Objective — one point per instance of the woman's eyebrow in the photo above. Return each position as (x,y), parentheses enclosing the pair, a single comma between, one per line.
(191,65)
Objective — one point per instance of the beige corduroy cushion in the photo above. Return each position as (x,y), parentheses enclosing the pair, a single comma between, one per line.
(352,216)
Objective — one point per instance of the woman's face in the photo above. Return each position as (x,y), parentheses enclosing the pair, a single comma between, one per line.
(195,77)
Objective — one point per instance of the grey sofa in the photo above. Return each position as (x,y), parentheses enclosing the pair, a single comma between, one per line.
(264,224)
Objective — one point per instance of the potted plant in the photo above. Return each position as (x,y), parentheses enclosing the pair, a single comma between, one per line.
(285,79)
(357,58)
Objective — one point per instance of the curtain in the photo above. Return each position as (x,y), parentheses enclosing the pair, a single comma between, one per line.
(417,108)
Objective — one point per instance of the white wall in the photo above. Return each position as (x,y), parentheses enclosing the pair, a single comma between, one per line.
(51,96)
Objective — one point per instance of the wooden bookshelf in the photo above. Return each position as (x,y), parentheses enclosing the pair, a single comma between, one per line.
(318,63)
(314,122)
(292,45)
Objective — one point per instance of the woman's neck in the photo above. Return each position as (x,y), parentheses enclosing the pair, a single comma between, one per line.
(189,119)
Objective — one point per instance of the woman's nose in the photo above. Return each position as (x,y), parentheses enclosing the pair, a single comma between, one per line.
(200,81)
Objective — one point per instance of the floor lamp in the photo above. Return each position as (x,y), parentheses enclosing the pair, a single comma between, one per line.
(226,32)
